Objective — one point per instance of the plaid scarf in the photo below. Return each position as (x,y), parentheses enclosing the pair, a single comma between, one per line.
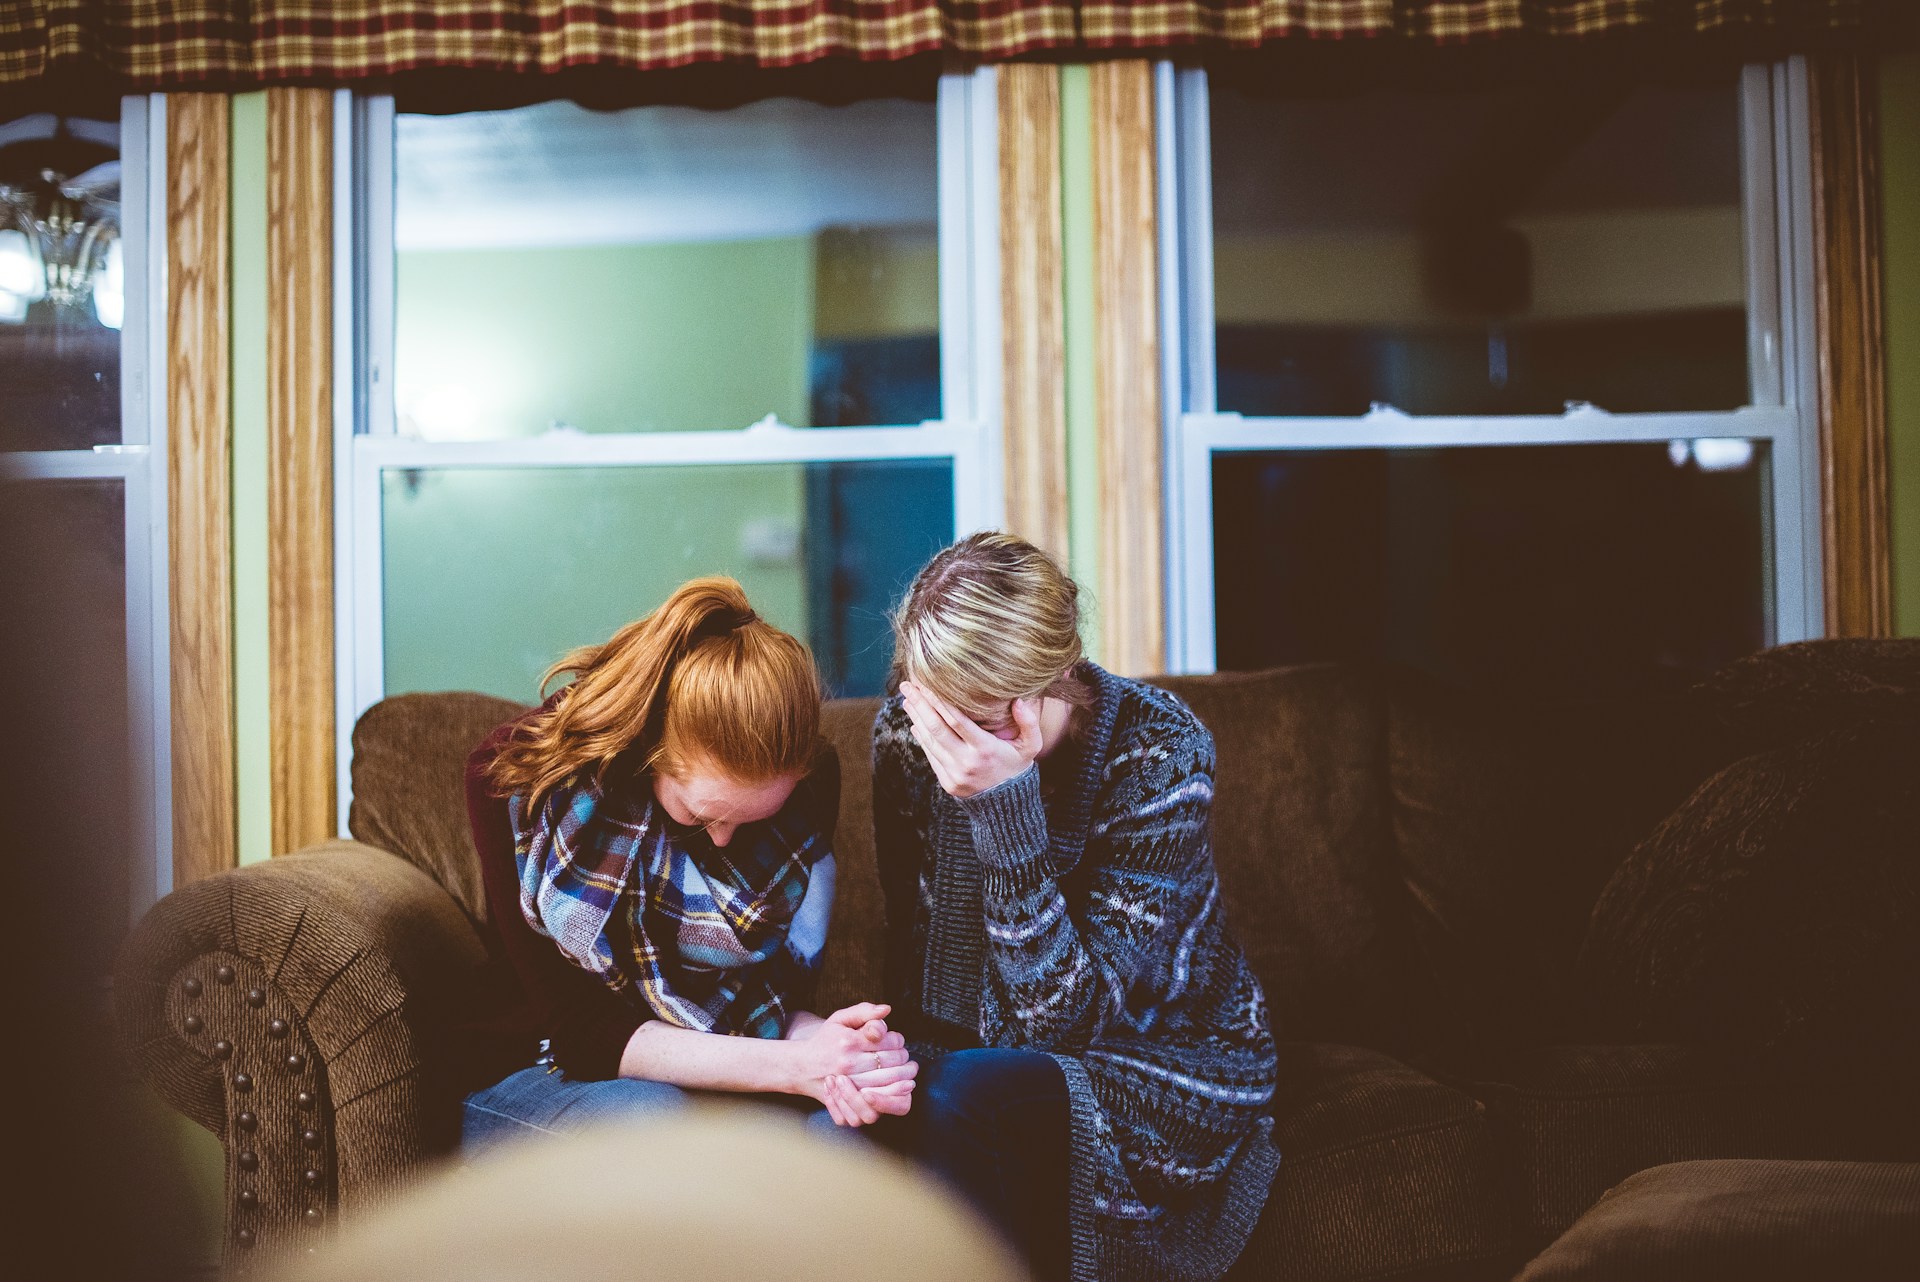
(727,941)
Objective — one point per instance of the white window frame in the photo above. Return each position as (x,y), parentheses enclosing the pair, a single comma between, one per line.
(1777,219)
(366,443)
(139,463)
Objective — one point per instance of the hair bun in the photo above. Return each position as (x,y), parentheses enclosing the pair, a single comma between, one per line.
(724,621)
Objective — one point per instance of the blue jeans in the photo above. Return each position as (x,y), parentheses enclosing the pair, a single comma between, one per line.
(992,1123)
(534,1101)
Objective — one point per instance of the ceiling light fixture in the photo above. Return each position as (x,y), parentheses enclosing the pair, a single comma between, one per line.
(60,235)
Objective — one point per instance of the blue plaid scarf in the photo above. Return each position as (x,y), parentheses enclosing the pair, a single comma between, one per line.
(716,939)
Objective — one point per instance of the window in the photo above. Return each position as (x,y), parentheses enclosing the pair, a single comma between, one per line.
(83,481)
(600,353)
(1502,384)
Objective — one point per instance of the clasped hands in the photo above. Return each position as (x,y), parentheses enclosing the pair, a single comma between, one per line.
(857,1067)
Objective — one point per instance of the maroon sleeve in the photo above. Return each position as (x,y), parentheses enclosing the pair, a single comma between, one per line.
(585,1023)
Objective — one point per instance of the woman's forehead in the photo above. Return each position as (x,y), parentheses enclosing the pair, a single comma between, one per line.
(720,797)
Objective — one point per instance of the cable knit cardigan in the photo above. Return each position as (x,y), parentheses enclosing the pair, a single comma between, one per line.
(1087,924)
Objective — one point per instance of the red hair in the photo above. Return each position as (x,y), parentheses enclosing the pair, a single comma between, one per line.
(702,680)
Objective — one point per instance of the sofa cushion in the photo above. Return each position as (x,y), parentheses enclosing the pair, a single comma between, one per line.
(1383,1172)
(1779,905)
(1302,841)
(1791,692)
(410,786)
(1572,1121)
(1508,816)
(856,943)
(1754,1220)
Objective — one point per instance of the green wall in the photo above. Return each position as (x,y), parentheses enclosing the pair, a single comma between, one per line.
(490,576)
(626,338)
(1900,179)
(252,683)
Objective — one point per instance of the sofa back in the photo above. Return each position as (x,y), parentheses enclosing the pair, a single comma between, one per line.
(1403,864)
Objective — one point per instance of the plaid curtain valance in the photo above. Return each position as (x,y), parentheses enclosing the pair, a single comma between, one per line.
(169,44)
(1251,24)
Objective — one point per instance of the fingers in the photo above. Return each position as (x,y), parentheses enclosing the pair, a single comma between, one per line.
(934,738)
(880,1038)
(945,771)
(964,728)
(869,1061)
(891,1100)
(860,1014)
(1026,719)
(932,727)
(831,1099)
(890,1075)
(854,1106)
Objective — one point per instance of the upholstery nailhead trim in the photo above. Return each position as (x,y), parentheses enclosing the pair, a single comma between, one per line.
(280,1168)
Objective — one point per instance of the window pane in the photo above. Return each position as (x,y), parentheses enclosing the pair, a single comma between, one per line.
(1480,253)
(63,580)
(1597,567)
(62,283)
(666,268)
(492,574)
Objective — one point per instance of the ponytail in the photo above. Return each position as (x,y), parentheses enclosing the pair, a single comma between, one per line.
(701,680)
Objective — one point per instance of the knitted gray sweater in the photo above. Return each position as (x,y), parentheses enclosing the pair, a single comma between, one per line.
(1087,924)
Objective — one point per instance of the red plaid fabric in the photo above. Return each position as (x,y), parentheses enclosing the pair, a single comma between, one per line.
(1249,24)
(166,44)
(156,44)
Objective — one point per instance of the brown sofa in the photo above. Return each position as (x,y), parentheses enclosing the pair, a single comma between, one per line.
(1412,870)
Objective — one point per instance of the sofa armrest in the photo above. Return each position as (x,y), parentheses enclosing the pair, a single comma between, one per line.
(298,1009)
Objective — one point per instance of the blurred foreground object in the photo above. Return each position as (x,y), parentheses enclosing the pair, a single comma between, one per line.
(715,1193)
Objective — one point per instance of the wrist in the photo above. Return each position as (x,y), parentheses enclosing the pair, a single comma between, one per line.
(794,1075)
(1009,822)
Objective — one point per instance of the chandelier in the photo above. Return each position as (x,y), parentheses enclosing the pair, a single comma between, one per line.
(60,229)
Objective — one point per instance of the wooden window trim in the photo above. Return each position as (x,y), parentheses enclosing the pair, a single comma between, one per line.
(200,486)
(1849,330)
(300,620)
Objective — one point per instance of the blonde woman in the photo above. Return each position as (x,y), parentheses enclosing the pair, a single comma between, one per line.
(655,843)
(1098,1067)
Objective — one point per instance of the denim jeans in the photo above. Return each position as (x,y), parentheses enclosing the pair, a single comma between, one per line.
(992,1123)
(535,1101)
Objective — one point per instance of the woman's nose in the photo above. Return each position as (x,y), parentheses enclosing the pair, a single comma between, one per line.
(720,834)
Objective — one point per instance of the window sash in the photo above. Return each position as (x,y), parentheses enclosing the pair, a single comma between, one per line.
(367,444)
(1777,219)
(139,464)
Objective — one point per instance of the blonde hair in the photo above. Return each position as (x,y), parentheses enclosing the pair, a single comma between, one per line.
(989,620)
(703,679)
